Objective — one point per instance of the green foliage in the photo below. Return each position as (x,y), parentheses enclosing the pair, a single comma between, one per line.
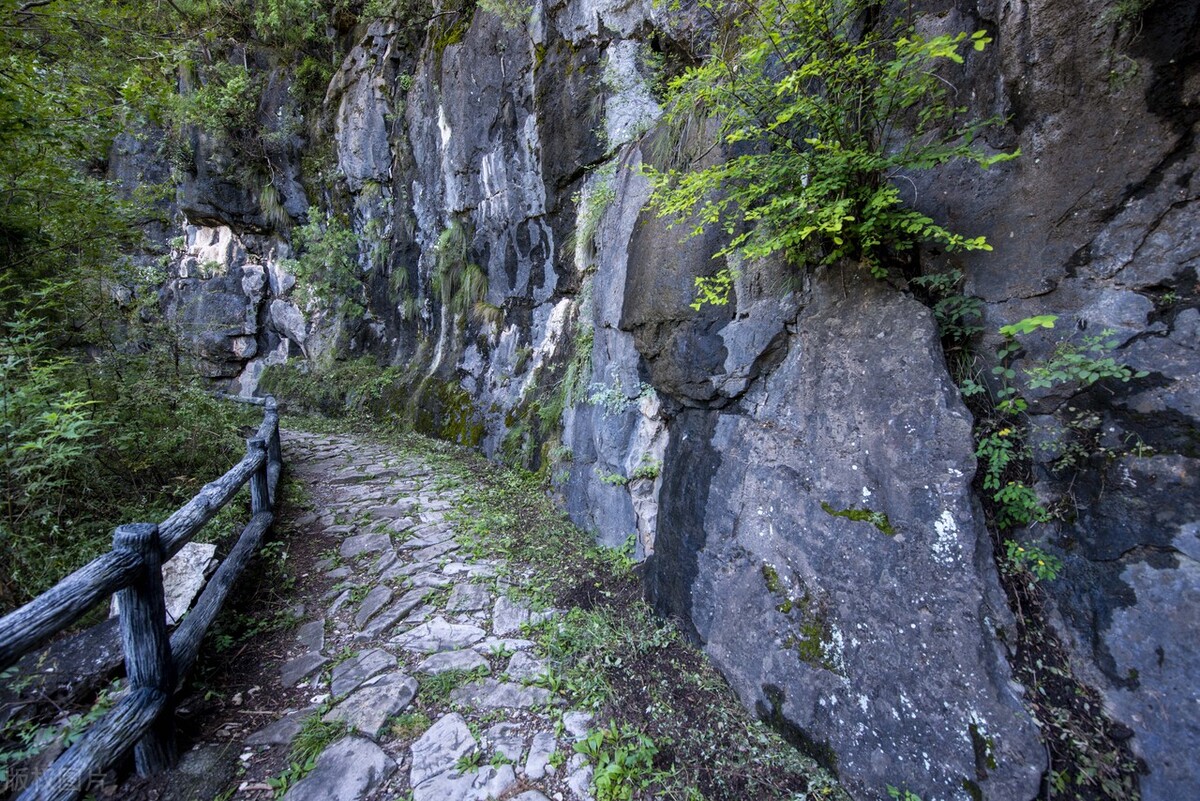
(314,736)
(613,398)
(1040,564)
(70,74)
(225,103)
(512,13)
(957,315)
(622,761)
(460,284)
(594,202)
(326,264)
(818,115)
(1125,14)
(1082,364)
(902,795)
(1002,437)
(611,479)
(25,739)
(714,289)
(410,725)
(47,429)
(436,687)
(90,445)
(648,468)
(291,21)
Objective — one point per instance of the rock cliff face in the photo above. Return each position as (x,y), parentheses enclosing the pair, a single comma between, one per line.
(740,446)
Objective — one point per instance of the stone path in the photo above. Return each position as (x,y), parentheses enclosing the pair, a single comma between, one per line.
(412,615)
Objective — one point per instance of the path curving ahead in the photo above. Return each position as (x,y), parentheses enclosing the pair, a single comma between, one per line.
(410,604)
(416,672)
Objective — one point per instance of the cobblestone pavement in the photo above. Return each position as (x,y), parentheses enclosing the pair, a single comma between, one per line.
(413,613)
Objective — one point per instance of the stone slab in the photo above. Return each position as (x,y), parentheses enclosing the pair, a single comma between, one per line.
(370,706)
(353,672)
(348,770)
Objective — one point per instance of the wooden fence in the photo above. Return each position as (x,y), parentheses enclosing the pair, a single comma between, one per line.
(154,663)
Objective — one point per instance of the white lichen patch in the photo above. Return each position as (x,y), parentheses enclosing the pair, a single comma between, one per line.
(833,652)
(945,542)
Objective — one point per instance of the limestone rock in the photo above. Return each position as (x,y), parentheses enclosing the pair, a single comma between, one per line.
(543,747)
(474,785)
(300,668)
(347,770)
(440,747)
(748,531)
(438,635)
(355,671)
(452,660)
(492,694)
(369,707)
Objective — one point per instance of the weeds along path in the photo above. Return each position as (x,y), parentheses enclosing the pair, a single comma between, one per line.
(457,640)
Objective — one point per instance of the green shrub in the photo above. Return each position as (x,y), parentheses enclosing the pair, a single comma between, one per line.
(326,262)
(819,110)
(91,445)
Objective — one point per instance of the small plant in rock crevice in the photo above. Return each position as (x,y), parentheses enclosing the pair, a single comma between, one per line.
(1089,757)
(1002,437)
(315,734)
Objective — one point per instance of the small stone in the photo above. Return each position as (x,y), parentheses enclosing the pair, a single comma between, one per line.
(492,646)
(475,785)
(376,599)
(434,551)
(312,636)
(426,536)
(492,694)
(338,573)
(282,731)
(577,724)
(385,560)
(390,616)
(440,747)
(369,707)
(338,603)
(530,795)
(365,543)
(348,770)
(524,667)
(351,673)
(438,635)
(300,668)
(202,772)
(580,778)
(506,739)
(508,616)
(468,598)
(429,581)
(543,747)
(452,660)
(388,512)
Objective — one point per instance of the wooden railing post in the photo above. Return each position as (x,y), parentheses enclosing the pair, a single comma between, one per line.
(260,496)
(148,662)
(274,449)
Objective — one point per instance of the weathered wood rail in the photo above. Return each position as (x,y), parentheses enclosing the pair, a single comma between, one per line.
(154,662)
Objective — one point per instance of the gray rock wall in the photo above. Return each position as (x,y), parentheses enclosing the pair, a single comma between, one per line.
(1097,223)
(796,466)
